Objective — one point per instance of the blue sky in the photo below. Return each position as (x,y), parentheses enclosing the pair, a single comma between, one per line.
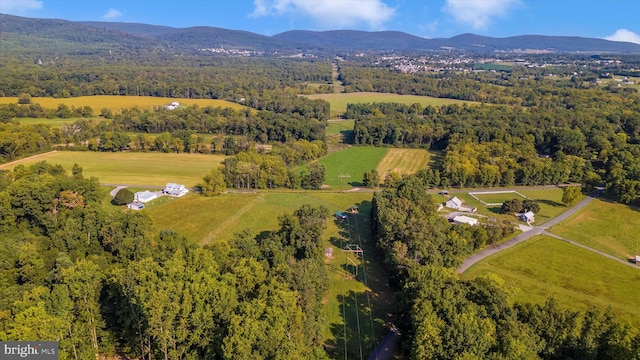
(612,19)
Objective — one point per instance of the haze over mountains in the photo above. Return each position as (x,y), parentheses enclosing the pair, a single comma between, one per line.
(29,34)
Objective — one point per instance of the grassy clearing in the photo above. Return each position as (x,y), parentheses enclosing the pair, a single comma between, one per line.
(404,161)
(56,122)
(116,103)
(609,227)
(353,161)
(339,127)
(576,278)
(338,102)
(154,169)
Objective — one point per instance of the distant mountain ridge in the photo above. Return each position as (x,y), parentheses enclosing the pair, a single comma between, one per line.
(98,34)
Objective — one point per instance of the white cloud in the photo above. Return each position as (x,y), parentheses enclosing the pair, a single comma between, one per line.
(329,13)
(18,7)
(478,13)
(112,14)
(624,35)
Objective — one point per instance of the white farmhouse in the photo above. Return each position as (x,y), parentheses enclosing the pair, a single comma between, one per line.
(173,189)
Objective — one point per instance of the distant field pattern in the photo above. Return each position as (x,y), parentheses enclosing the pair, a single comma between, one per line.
(339,102)
(116,103)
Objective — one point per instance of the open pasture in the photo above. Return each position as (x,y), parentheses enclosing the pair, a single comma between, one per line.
(338,102)
(404,161)
(575,277)
(609,227)
(337,127)
(56,122)
(117,103)
(155,169)
(353,161)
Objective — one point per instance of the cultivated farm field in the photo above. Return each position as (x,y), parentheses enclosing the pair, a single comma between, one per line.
(154,169)
(116,103)
(609,227)
(338,102)
(576,278)
(404,161)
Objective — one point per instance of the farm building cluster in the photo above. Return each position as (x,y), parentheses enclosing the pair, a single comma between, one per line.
(142,197)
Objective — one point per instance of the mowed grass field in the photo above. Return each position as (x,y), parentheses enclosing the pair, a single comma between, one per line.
(578,279)
(404,161)
(609,227)
(338,102)
(116,103)
(57,122)
(353,161)
(154,169)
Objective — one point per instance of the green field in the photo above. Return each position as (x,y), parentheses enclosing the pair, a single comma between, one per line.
(132,168)
(339,127)
(339,102)
(578,279)
(56,122)
(353,161)
(404,161)
(116,103)
(608,227)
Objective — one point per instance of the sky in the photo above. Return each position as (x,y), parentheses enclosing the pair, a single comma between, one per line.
(609,19)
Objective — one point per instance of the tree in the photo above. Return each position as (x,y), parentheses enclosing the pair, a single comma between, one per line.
(315,177)
(530,205)
(24,99)
(371,178)
(213,183)
(123,197)
(512,206)
(571,194)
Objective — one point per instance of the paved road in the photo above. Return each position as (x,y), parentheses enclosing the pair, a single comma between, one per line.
(536,230)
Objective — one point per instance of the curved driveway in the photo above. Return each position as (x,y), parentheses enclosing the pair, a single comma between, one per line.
(536,230)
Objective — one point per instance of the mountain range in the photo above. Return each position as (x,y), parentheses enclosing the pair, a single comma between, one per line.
(32,35)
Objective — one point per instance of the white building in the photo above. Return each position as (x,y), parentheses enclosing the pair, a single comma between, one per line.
(135,206)
(173,189)
(145,196)
(528,217)
(453,203)
(174,105)
(461,219)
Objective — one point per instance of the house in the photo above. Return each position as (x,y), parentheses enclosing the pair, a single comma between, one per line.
(637,259)
(173,189)
(453,203)
(527,217)
(135,206)
(174,105)
(145,196)
(461,219)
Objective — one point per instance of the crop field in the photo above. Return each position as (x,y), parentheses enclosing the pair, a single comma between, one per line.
(116,103)
(404,161)
(338,102)
(353,161)
(608,227)
(578,279)
(154,169)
